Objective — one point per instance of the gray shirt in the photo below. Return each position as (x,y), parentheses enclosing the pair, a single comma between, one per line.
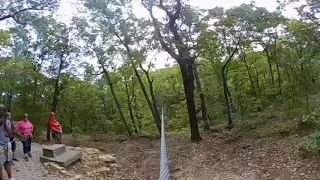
(4,138)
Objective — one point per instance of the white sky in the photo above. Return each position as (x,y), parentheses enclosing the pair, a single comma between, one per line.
(69,8)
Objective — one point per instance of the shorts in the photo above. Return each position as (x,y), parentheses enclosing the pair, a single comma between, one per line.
(5,154)
(56,135)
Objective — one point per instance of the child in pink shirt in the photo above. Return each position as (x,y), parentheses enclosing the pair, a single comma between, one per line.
(25,130)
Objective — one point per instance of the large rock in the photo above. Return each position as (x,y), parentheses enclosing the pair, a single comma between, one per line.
(54,150)
(64,159)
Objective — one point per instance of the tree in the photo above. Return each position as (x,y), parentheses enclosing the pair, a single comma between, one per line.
(22,12)
(180,51)
(126,32)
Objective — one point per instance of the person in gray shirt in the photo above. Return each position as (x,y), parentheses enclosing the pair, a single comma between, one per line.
(13,132)
(5,145)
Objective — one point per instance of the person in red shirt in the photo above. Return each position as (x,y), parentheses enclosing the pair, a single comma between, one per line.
(55,127)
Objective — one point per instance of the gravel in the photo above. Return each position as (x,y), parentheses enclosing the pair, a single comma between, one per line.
(32,169)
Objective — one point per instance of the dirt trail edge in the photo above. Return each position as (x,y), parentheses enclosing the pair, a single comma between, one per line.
(32,169)
(94,164)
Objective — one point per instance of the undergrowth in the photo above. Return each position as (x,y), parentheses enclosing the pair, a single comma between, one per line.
(311,123)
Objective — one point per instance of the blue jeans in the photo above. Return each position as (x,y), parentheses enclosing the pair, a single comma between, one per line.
(27,145)
(13,144)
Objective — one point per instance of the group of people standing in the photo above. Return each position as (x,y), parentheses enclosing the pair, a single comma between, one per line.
(24,132)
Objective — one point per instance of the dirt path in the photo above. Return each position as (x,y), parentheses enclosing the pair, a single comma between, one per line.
(221,156)
(32,169)
(262,152)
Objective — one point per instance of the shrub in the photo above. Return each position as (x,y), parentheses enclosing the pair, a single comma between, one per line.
(311,145)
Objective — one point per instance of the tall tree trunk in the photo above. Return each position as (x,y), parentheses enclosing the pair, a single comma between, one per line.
(188,83)
(10,100)
(305,85)
(72,118)
(56,89)
(129,102)
(35,88)
(244,60)
(153,97)
(55,95)
(239,98)
(203,104)
(269,58)
(86,125)
(184,59)
(116,100)
(226,97)
(271,72)
(233,109)
(258,89)
(124,41)
(143,88)
(135,107)
(293,87)
(279,78)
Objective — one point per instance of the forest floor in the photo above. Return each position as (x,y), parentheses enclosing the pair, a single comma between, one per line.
(267,149)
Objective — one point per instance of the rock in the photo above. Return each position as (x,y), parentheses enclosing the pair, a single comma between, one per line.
(65,172)
(107,158)
(54,166)
(76,177)
(103,169)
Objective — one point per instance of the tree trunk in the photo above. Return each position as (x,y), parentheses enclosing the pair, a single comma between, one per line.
(279,79)
(233,109)
(116,100)
(239,99)
(153,97)
(72,118)
(9,100)
(35,88)
(138,117)
(270,66)
(129,102)
(203,104)
(143,88)
(188,83)
(56,90)
(250,77)
(55,96)
(305,85)
(225,92)
(86,125)
(293,86)
(156,118)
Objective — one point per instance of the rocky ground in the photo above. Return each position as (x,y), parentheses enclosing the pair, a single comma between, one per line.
(265,150)
(94,165)
(222,155)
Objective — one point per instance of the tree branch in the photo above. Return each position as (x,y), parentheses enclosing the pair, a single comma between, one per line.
(18,12)
(96,74)
(226,64)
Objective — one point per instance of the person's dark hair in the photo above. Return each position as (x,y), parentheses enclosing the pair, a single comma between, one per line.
(7,114)
(3,113)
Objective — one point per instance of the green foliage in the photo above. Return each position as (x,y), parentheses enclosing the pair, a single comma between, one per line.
(312,120)
(46,63)
(181,119)
(4,38)
(311,146)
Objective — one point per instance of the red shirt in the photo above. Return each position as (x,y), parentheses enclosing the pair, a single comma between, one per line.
(55,125)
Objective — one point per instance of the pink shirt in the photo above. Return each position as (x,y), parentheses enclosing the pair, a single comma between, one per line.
(25,128)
